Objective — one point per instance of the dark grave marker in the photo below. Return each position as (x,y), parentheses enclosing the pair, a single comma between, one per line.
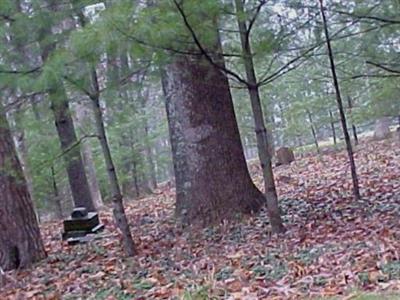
(80,224)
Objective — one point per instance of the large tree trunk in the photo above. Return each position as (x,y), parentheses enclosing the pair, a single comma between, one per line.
(212,180)
(264,138)
(20,240)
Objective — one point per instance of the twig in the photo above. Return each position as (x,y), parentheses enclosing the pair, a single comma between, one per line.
(381,66)
(66,151)
(201,48)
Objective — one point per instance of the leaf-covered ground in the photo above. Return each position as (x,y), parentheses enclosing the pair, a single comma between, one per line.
(333,245)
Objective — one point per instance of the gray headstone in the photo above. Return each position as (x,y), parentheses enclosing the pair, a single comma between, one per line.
(79,213)
(382,130)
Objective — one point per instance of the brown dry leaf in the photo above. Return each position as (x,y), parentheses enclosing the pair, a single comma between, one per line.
(233,285)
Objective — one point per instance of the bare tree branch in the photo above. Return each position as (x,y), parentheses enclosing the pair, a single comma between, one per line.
(383,67)
(375,18)
(201,48)
(253,20)
(20,72)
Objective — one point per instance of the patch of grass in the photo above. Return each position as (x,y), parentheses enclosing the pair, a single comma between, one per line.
(309,255)
(392,269)
(199,293)
(115,292)
(143,285)
(224,273)
(272,267)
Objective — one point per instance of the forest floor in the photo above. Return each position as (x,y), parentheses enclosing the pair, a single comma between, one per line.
(334,246)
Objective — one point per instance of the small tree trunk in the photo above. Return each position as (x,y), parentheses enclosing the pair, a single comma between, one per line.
(134,167)
(150,159)
(263,143)
(313,131)
(147,144)
(20,240)
(356,190)
(117,199)
(333,127)
(353,126)
(57,199)
(135,178)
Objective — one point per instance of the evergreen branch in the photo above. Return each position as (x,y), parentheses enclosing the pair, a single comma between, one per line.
(166,48)
(154,46)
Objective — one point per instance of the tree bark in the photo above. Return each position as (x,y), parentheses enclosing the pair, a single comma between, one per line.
(212,180)
(356,190)
(22,151)
(20,240)
(264,142)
